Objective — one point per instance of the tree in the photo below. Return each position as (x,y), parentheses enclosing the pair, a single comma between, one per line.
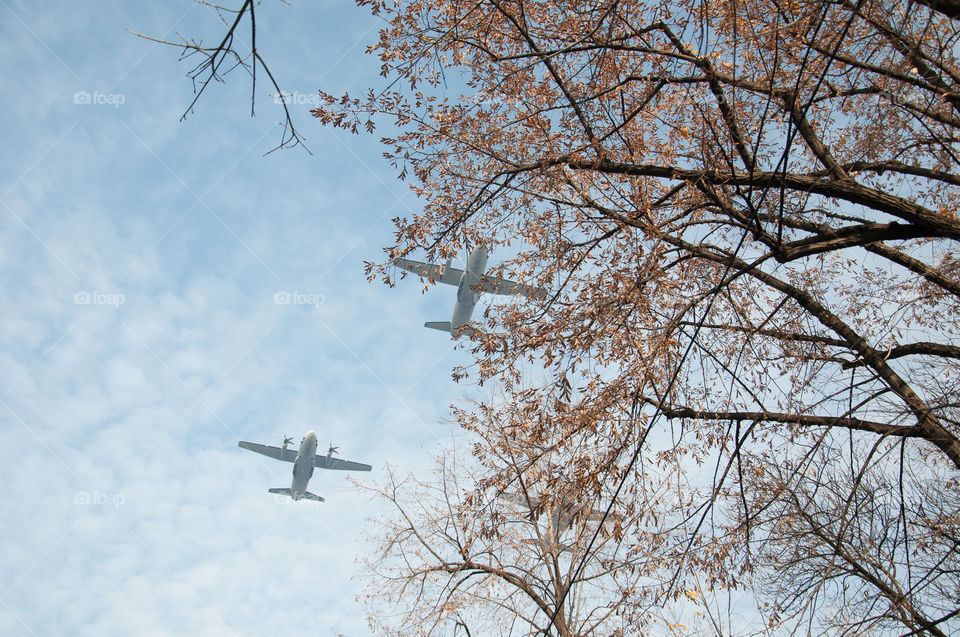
(489,546)
(746,215)
(853,542)
(216,62)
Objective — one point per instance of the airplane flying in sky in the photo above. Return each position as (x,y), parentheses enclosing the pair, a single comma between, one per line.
(304,461)
(560,517)
(470,282)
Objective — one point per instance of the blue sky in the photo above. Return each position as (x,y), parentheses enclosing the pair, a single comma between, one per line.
(140,260)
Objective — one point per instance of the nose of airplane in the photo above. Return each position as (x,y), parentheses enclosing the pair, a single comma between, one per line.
(310,436)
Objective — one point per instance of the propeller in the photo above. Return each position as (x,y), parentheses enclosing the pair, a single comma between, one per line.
(332,450)
(286,440)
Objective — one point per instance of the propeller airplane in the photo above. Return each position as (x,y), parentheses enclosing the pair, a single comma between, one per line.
(305,460)
(470,282)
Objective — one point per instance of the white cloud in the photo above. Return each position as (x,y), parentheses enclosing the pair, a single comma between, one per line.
(129,508)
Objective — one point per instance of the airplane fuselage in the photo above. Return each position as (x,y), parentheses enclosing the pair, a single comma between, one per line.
(303,465)
(467,294)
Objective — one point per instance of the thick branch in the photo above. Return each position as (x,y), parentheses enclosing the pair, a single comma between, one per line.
(846,190)
(857,424)
(911,349)
(932,430)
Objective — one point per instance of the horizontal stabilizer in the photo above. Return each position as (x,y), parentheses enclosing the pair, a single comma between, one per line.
(306,494)
(443,326)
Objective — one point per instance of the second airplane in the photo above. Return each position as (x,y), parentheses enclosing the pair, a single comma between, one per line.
(470,282)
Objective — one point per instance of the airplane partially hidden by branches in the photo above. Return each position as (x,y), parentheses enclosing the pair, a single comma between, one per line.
(560,517)
(470,282)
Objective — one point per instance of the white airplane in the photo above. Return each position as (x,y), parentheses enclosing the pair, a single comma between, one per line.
(560,517)
(304,461)
(470,282)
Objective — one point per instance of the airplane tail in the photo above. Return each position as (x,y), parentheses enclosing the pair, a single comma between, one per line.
(443,326)
(306,494)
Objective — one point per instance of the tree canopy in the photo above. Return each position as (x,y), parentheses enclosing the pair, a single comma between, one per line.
(745,214)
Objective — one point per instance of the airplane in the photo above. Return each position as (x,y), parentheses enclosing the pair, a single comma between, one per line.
(560,517)
(470,283)
(304,461)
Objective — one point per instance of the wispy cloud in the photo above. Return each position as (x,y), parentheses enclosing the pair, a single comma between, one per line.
(141,260)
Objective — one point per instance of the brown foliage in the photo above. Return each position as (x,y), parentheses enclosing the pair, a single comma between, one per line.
(746,214)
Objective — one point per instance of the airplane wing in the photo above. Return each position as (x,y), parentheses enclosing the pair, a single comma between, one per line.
(567,515)
(287,455)
(325,462)
(441,273)
(494,285)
